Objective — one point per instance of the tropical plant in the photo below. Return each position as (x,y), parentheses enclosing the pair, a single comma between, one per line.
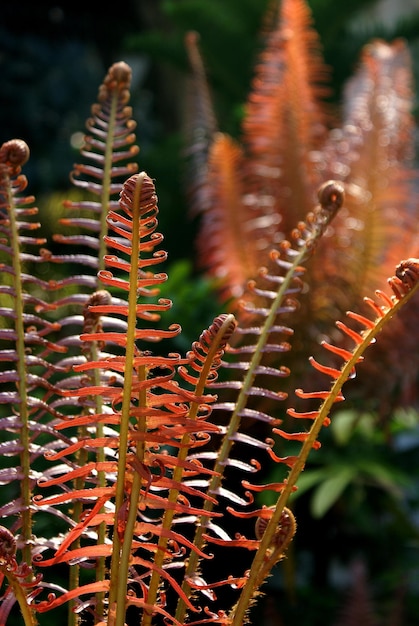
(125,468)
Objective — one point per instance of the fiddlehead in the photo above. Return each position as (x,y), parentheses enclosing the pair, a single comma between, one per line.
(22,585)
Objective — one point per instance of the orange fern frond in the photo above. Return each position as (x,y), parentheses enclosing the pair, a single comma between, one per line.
(226,223)
(404,285)
(200,127)
(144,413)
(255,194)
(373,152)
(108,145)
(274,294)
(286,121)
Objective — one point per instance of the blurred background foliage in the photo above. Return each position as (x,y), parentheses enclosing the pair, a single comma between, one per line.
(359,497)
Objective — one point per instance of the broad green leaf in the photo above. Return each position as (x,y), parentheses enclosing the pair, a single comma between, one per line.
(329,491)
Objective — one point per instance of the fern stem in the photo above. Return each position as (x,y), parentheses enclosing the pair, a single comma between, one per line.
(77,512)
(132,511)
(178,471)
(264,560)
(19,592)
(25,436)
(101,457)
(79,483)
(119,570)
(106,181)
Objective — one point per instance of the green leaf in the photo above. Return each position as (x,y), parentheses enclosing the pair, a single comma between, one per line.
(389,478)
(329,491)
(342,426)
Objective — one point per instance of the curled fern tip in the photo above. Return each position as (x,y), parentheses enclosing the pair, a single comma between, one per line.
(331,195)
(14,153)
(406,277)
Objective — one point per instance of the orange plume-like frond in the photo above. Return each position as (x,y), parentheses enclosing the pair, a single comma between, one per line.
(286,119)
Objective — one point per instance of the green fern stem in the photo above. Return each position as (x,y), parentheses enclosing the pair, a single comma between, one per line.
(79,483)
(24,413)
(122,547)
(77,512)
(265,557)
(129,526)
(106,181)
(101,457)
(20,594)
(178,471)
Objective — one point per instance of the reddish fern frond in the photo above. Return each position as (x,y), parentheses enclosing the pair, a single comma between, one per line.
(373,154)
(251,363)
(205,360)
(404,285)
(261,335)
(285,118)
(27,342)
(254,195)
(284,277)
(226,224)
(144,411)
(109,143)
(200,127)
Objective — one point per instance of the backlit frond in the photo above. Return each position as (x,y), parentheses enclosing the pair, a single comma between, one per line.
(404,285)
(285,121)
(26,344)
(108,145)
(226,222)
(373,155)
(253,373)
(145,413)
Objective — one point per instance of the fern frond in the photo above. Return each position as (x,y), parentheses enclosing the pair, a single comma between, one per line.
(26,344)
(200,127)
(266,334)
(144,414)
(404,285)
(256,193)
(205,360)
(373,153)
(285,119)
(108,147)
(227,222)
(109,143)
